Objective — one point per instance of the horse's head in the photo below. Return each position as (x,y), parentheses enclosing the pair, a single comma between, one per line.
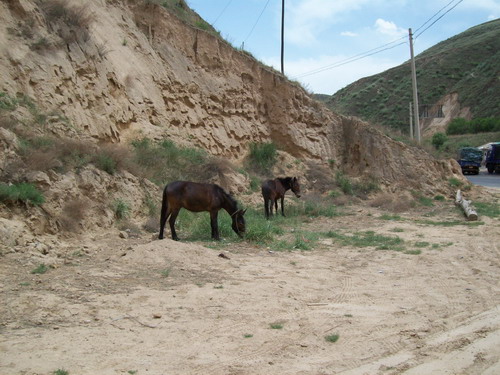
(239,222)
(296,187)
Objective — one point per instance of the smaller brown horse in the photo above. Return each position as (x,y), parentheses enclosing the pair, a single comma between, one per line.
(272,190)
(198,197)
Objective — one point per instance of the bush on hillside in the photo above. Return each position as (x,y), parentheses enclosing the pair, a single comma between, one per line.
(438,139)
(475,126)
(22,192)
(262,156)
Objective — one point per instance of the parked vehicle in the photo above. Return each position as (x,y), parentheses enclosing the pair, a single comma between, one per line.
(493,159)
(470,159)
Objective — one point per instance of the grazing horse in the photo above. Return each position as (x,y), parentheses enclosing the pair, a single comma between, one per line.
(272,190)
(198,197)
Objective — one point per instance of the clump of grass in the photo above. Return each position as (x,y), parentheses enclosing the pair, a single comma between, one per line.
(121,209)
(450,223)
(22,192)
(422,199)
(165,161)
(165,272)
(455,182)
(105,163)
(397,230)
(262,156)
(413,252)
(344,183)
(61,372)
(247,335)
(422,244)
(332,338)
(42,268)
(305,240)
(390,217)
(7,102)
(276,325)
(367,239)
(488,209)
(260,230)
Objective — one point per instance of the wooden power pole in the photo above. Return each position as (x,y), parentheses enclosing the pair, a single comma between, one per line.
(415,91)
(282,36)
(411,122)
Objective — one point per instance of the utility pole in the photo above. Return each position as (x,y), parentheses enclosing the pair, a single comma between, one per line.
(282,36)
(411,122)
(415,91)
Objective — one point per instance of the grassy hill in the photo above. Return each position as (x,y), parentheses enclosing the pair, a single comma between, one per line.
(468,63)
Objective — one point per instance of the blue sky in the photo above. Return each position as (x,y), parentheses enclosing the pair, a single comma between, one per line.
(323,36)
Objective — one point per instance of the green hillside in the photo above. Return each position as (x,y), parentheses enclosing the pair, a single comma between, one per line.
(468,63)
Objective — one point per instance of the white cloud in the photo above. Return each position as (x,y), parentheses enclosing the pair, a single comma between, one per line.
(389,28)
(307,18)
(348,33)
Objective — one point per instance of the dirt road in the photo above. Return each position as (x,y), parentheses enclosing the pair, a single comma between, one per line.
(429,305)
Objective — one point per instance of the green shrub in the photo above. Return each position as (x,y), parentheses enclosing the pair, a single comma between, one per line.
(332,338)
(344,183)
(262,156)
(42,268)
(105,163)
(7,103)
(438,139)
(22,192)
(455,182)
(165,161)
(121,208)
(458,126)
(474,126)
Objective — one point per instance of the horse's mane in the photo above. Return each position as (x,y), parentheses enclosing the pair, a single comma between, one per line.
(227,196)
(285,181)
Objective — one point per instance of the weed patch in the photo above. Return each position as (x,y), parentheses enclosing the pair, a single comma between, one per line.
(121,209)
(368,239)
(41,269)
(22,192)
(262,157)
(488,209)
(332,338)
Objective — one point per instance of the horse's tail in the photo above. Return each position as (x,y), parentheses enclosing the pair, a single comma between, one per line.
(163,214)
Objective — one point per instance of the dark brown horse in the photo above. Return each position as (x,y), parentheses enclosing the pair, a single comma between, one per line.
(197,197)
(272,190)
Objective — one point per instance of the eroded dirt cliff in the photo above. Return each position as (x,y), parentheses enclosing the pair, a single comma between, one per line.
(129,69)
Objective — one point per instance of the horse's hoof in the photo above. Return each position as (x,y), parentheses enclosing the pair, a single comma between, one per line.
(176,238)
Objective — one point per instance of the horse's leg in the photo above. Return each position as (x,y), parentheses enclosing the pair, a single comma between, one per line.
(171,221)
(266,207)
(164,215)
(214,225)
(276,206)
(282,205)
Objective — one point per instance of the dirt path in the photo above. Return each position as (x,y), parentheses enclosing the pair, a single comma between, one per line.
(119,306)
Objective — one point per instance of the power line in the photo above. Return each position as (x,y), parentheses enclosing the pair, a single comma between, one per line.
(444,14)
(222,12)
(354,58)
(439,11)
(256,22)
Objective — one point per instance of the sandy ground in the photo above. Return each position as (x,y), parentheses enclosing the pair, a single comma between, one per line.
(143,306)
